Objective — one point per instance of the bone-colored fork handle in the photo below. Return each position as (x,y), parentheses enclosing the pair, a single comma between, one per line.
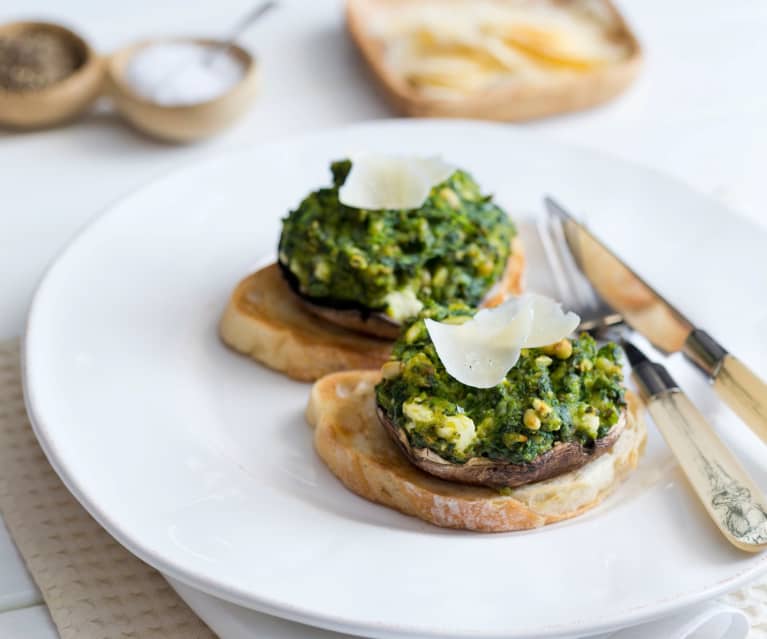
(744,392)
(730,496)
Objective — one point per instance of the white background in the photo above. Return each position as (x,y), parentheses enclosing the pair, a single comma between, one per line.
(698,112)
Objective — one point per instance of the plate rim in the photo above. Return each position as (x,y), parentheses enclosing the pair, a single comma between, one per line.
(212,586)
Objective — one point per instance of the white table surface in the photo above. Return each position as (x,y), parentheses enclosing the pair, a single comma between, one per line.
(698,112)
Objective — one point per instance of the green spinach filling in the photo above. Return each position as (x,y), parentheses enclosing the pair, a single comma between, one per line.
(453,248)
(570,391)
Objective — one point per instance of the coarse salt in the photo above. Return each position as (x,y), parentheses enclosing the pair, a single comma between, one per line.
(179,74)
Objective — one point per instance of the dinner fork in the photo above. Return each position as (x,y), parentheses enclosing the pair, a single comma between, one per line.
(729,494)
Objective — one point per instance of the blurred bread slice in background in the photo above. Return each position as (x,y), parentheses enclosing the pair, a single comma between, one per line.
(494,59)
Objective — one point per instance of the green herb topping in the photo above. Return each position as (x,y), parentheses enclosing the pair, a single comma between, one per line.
(568,391)
(453,248)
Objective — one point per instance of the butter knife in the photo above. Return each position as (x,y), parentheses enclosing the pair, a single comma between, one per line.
(665,326)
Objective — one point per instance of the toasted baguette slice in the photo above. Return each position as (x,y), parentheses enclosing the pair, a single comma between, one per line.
(264,319)
(523,96)
(267,321)
(354,445)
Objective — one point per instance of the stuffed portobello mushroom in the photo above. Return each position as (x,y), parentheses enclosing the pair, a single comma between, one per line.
(370,270)
(557,408)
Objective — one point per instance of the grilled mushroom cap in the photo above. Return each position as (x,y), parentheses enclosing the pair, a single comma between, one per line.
(373,323)
(494,473)
(351,315)
(357,317)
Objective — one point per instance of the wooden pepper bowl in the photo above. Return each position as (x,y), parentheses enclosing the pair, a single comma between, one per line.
(60,101)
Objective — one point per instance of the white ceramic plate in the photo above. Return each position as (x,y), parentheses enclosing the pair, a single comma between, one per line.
(199,461)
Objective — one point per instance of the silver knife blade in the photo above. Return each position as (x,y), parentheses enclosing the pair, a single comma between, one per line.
(641,306)
(649,313)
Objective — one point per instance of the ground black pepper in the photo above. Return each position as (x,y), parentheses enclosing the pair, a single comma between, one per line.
(34,59)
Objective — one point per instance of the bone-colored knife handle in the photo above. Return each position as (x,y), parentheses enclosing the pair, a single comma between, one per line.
(735,383)
(744,392)
(730,496)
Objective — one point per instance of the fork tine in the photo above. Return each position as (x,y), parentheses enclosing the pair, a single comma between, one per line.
(566,275)
(596,314)
(553,261)
(582,288)
(574,288)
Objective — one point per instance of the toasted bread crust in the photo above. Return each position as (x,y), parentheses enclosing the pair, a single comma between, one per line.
(266,320)
(350,440)
(516,100)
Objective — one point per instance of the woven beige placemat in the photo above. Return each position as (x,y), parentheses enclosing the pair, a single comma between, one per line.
(93,587)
